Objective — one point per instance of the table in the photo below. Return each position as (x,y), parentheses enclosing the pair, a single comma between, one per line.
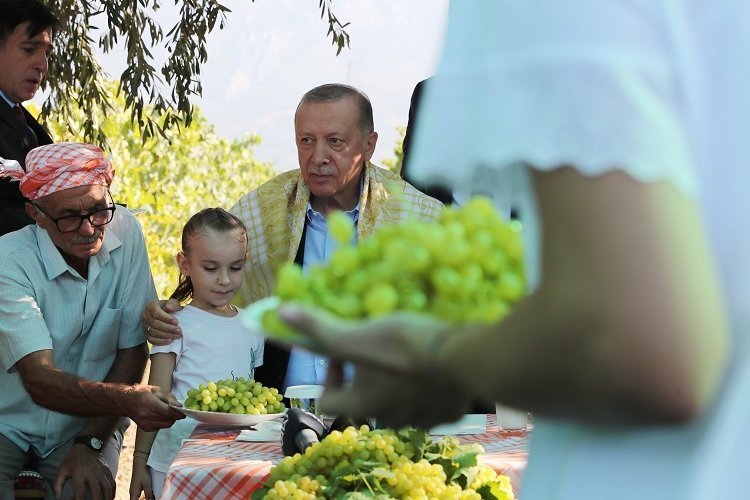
(212,465)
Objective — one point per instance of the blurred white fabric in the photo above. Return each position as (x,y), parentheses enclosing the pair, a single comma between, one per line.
(657,89)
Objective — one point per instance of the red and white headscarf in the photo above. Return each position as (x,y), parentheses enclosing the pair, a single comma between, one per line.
(60,166)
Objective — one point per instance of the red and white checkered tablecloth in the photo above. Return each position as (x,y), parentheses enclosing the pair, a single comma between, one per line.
(212,465)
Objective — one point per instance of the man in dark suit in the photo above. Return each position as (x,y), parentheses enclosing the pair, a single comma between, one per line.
(26,31)
(437,192)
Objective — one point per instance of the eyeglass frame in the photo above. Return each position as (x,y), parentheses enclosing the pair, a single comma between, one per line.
(81,218)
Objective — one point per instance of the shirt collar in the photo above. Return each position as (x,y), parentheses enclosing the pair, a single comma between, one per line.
(54,263)
(314,216)
(7,99)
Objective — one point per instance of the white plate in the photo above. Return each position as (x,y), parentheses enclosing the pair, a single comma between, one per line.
(211,417)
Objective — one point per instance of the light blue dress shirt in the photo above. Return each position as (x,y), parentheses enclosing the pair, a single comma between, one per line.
(306,367)
(46,304)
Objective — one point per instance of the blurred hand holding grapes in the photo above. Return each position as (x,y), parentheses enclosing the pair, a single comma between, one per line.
(395,366)
(414,284)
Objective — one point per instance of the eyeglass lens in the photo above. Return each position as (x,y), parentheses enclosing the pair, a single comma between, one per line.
(98,218)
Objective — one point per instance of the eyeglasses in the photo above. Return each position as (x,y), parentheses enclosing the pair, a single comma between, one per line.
(70,223)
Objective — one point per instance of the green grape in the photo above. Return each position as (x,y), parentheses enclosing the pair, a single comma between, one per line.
(344,261)
(346,305)
(369,250)
(235,396)
(445,280)
(341,227)
(290,283)
(273,325)
(356,282)
(465,267)
(380,299)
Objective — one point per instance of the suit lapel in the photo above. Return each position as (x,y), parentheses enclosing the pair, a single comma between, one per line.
(26,137)
(42,137)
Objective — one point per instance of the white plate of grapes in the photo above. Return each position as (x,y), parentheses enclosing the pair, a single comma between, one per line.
(233,402)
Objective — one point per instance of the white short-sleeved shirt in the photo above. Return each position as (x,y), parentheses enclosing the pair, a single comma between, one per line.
(658,89)
(211,348)
(46,304)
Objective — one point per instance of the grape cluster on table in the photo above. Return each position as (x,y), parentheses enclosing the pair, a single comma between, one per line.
(383,463)
(235,395)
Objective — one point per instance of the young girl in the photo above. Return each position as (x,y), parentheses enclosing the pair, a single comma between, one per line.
(213,346)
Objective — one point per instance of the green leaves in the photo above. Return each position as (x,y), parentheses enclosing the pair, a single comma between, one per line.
(394,164)
(162,72)
(169,178)
(339,36)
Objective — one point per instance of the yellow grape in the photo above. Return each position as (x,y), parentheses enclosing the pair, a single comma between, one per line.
(359,460)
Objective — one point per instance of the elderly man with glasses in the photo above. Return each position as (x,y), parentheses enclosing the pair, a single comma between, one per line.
(72,351)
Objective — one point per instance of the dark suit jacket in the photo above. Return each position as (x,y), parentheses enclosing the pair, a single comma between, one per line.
(437,192)
(16,140)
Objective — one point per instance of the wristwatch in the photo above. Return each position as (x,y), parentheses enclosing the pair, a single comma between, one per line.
(92,442)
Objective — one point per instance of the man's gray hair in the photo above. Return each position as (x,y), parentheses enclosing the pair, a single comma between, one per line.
(337,91)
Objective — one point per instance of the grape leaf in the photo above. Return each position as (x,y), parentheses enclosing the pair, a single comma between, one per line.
(259,494)
(417,437)
(494,490)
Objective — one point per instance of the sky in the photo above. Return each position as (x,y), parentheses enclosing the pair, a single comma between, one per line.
(270,52)
(273,51)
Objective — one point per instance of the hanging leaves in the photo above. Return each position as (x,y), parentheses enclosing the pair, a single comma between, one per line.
(150,89)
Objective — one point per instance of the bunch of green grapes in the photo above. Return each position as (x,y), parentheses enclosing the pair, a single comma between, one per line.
(236,395)
(466,267)
(385,464)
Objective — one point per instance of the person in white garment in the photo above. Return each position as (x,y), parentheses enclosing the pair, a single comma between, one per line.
(214,344)
(626,125)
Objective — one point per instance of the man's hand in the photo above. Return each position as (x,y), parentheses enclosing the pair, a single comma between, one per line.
(152,410)
(88,471)
(159,324)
